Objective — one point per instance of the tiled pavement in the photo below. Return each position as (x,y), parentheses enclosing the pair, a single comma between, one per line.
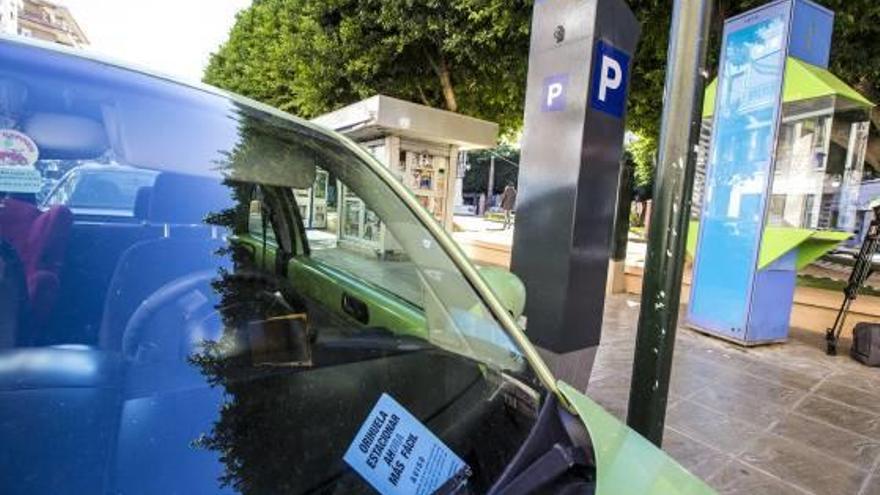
(775,419)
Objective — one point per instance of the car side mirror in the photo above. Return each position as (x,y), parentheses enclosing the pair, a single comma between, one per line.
(508,288)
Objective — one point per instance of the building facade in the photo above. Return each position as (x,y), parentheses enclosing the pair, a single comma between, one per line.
(9,10)
(41,20)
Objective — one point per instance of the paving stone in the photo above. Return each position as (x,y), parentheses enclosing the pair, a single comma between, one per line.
(810,470)
(698,458)
(850,396)
(740,404)
(722,432)
(788,377)
(838,443)
(738,478)
(865,379)
(841,415)
(775,419)
(759,390)
(872,486)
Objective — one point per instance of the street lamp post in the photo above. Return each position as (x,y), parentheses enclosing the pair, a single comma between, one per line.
(661,287)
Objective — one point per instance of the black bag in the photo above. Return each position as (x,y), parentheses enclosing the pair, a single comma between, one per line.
(866,343)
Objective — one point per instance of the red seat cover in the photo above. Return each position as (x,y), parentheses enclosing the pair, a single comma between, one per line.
(41,241)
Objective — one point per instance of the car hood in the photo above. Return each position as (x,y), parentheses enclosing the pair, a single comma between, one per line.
(627,463)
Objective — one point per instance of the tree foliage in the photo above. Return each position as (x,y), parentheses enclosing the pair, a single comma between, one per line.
(642,152)
(476,179)
(855,58)
(312,56)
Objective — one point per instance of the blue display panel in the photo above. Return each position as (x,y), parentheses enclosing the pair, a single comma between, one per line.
(737,177)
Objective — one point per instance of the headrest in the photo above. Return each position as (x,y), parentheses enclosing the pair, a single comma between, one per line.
(60,136)
(142,202)
(187,199)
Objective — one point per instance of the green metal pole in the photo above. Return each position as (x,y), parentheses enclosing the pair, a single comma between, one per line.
(661,287)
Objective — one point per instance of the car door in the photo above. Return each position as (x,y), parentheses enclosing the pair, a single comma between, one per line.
(366,278)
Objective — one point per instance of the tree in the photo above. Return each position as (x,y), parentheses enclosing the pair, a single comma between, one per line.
(313,56)
(476,180)
(642,152)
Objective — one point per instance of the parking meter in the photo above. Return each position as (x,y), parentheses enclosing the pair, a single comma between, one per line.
(579,72)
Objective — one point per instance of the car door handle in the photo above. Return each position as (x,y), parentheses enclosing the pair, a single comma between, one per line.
(355,308)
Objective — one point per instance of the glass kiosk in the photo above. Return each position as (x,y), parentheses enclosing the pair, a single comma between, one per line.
(819,164)
(807,205)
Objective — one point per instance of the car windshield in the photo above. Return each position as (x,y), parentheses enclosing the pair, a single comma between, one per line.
(234,328)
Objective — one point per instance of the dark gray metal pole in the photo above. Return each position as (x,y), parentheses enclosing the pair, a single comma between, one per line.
(661,287)
(624,207)
(491,187)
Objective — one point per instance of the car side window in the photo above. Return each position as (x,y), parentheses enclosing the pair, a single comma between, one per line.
(346,234)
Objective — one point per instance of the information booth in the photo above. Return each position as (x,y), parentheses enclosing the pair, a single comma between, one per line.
(782,154)
(419,144)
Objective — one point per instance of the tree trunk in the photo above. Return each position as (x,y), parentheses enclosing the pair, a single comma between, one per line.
(423,96)
(443,74)
(446,84)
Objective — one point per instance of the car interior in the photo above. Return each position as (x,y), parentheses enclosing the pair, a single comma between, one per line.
(177,350)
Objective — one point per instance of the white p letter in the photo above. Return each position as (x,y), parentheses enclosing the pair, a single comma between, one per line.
(610,77)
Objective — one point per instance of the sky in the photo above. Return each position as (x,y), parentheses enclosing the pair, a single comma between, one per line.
(174,37)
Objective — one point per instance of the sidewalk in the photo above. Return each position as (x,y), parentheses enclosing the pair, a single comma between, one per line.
(779,419)
(484,241)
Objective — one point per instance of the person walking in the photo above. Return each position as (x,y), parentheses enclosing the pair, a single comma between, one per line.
(508,203)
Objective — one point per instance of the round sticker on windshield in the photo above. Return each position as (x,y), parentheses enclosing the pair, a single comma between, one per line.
(17,149)
(18,154)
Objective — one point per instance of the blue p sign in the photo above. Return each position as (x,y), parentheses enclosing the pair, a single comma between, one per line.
(608,88)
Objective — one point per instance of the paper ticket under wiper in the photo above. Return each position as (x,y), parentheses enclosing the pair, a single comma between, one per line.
(396,454)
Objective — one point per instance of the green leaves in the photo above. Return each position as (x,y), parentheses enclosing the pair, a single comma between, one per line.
(312,56)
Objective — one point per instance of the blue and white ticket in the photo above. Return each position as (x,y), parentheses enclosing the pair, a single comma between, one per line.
(397,454)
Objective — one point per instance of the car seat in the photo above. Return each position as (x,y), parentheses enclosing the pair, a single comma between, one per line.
(14,306)
(180,203)
(142,203)
(41,241)
(181,200)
